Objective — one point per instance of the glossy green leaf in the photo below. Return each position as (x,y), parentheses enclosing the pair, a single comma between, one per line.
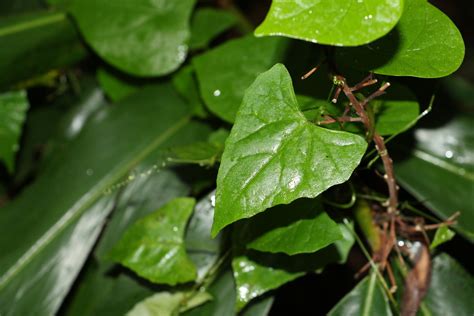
(253,279)
(275,156)
(140,37)
(225,72)
(451,288)
(425,43)
(168,304)
(50,125)
(206,24)
(340,23)
(439,171)
(300,227)
(13,107)
(27,43)
(256,273)
(58,226)
(153,247)
(366,299)
(115,87)
(443,234)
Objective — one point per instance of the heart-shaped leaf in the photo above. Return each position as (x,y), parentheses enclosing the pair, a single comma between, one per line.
(141,37)
(333,22)
(425,43)
(154,248)
(275,156)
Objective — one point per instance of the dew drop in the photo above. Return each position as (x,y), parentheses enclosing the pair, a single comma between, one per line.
(89,172)
(175,228)
(213,200)
(217,93)
(449,154)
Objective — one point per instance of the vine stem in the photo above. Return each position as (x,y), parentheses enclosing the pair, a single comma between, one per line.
(359,107)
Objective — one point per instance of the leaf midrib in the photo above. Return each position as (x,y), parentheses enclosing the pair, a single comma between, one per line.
(38,22)
(85,202)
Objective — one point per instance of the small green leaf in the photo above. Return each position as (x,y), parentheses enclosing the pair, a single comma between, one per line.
(13,107)
(206,24)
(340,22)
(254,279)
(425,43)
(275,156)
(169,304)
(115,87)
(451,288)
(153,247)
(202,153)
(225,72)
(256,272)
(443,234)
(141,37)
(366,299)
(300,227)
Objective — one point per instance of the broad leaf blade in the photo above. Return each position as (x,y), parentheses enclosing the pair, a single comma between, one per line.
(225,72)
(451,288)
(13,107)
(206,24)
(153,247)
(425,43)
(439,171)
(141,37)
(27,42)
(53,213)
(275,156)
(340,22)
(366,299)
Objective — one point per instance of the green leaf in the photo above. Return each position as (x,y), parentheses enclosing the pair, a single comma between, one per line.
(19,6)
(206,24)
(168,304)
(439,171)
(100,293)
(340,23)
(116,88)
(58,227)
(202,153)
(451,288)
(140,37)
(225,72)
(256,273)
(13,107)
(254,279)
(224,295)
(443,234)
(300,227)
(185,83)
(35,43)
(425,43)
(275,156)
(367,298)
(203,250)
(153,247)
